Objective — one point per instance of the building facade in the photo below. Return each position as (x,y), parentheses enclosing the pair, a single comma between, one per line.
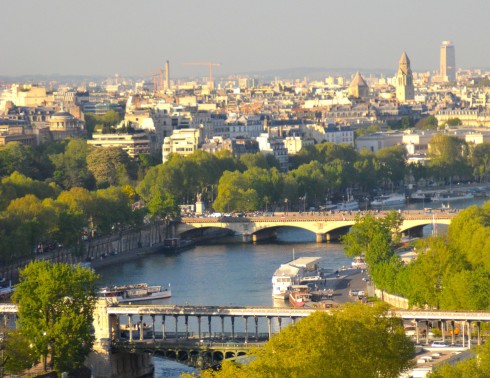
(133,144)
(447,66)
(182,142)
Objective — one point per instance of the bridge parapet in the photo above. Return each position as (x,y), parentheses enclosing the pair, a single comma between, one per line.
(326,226)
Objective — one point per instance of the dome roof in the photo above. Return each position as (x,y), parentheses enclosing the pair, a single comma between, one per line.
(62,115)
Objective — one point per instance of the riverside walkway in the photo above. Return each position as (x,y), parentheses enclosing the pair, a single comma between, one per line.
(325,225)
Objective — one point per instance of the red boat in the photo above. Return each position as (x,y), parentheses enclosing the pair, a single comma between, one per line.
(299,295)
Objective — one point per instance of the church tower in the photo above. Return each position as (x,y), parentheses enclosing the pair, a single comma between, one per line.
(404,80)
(358,87)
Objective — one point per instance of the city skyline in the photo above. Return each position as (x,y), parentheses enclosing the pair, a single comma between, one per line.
(135,39)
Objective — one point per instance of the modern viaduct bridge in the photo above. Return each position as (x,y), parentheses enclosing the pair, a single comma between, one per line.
(128,335)
(325,227)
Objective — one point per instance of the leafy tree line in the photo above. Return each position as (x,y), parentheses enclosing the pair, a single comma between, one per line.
(32,212)
(253,182)
(449,273)
(352,341)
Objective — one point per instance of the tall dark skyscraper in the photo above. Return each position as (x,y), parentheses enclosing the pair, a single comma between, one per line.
(447,66)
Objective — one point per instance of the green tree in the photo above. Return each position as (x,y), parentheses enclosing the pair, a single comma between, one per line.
(477,367)
(480,161)
(17,185)
(110,166)
(56,303)
(371,129)
(71,166)
(352,341)
(17,353)
(469,235)
(15,156)
(257,160)
(448,157)
(453,122)
(427,123)
(392,163)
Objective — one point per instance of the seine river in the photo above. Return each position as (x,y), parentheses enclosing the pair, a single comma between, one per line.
(227,273)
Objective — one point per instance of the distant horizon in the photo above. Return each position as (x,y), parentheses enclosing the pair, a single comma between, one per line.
(270,73)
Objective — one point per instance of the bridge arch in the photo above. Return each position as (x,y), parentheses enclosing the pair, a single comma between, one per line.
(325,227)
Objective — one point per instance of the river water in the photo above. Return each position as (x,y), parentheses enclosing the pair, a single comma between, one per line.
(227,272)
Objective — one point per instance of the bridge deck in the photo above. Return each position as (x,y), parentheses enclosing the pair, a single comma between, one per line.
(287,312)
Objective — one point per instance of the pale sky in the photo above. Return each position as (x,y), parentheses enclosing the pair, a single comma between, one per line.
(104,37)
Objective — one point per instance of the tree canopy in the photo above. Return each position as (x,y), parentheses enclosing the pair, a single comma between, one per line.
(352,341)
(451,273)
(56,303)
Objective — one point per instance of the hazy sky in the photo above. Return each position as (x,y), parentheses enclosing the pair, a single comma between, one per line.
(136,37)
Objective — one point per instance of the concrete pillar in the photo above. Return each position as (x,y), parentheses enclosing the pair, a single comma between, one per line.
(164,336)
(117,327)
(232,327)
(417,333)
(328,236)
(452,332)
(463,330)
(443,330)
(130,325)
(279,320)
(176,326)
(246,238)
(293,321)
(256,319)
(141,327)
(427,332)
(269,326)
(222,327)
(209,325)
(245,318)
(478,327)
(199,326)
(153,327)
(320,238)
(469,334)
(186,320)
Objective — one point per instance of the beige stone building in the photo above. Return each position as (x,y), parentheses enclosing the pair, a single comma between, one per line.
(133,144)
(64,125)
(358,88)
(183,142)
(404,80)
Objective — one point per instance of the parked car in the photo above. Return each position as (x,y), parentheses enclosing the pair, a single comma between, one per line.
(439,344)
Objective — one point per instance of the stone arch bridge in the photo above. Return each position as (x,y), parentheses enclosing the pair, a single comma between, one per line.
(324,226)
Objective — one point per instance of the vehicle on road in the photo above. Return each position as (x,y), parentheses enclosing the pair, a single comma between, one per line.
(439,344)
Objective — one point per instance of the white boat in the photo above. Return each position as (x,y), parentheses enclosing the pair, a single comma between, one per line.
(135,293)
(420,196)
(359,263)
(389,200)
(351,205)
(452,196)
(6,291)
(291,273)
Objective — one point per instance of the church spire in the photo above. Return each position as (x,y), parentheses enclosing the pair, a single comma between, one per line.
(404,80)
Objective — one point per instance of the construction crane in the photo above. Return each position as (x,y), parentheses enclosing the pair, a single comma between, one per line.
(210,65)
